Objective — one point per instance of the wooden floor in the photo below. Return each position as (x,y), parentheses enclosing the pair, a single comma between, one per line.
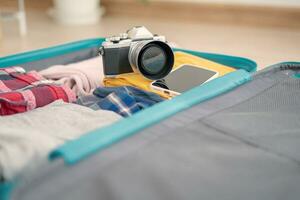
(264,45)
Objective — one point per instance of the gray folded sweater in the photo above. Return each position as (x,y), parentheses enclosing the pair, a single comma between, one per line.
(27,138)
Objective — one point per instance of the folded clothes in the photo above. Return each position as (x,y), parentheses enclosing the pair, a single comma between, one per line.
(122,100)
(27,138)
(137,80)
(21,91)
(82,77)
(15,78)
(33,97)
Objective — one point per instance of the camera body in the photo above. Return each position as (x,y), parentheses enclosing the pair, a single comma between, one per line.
(137,50)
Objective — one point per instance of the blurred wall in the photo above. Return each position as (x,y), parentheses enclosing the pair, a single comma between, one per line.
(251,2)
(284,13)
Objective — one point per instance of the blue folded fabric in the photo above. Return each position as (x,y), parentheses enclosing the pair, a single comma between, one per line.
(124,100)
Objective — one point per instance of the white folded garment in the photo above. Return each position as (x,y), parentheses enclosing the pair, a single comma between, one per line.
(82,77)
(27,138)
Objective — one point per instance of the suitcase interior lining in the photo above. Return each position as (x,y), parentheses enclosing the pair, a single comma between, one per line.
(64,59)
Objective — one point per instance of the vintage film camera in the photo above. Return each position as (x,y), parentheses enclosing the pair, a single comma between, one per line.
(137,50)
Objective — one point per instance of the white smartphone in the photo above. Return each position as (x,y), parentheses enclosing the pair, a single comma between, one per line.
(183,78)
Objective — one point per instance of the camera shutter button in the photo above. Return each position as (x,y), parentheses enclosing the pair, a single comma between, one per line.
(115,39)
(123,36)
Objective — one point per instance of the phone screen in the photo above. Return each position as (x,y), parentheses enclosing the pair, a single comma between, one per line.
(185,78)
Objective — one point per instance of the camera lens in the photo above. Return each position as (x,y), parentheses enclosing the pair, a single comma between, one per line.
(153,59)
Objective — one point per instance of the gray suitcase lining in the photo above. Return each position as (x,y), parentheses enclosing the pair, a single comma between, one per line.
(61,60)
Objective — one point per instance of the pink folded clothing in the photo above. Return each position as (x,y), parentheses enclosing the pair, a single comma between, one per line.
(21,91)
(82,77)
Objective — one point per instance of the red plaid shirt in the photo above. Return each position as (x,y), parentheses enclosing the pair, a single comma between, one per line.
(20,91)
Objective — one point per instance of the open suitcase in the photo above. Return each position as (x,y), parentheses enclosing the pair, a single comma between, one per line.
(235,137)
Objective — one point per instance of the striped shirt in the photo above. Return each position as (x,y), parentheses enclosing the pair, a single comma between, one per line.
(21,91)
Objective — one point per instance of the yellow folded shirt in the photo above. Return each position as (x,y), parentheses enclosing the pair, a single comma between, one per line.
(181,58)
